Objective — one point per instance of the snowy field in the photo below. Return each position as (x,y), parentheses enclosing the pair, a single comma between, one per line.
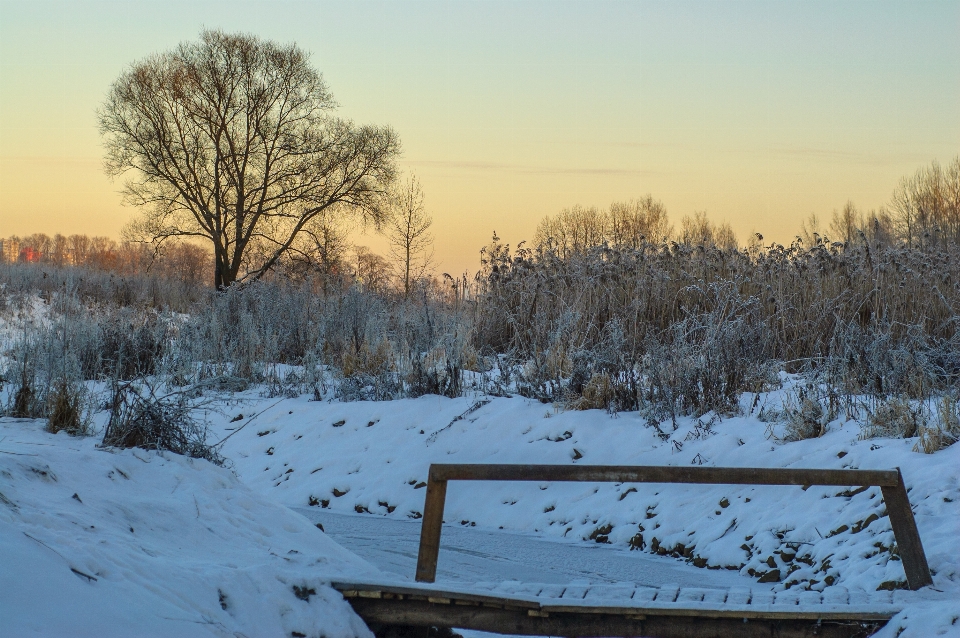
(102,543)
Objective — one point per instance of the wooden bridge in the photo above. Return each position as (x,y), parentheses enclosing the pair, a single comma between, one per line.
(667,611)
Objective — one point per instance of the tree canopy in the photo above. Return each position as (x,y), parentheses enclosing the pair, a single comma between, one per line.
(234,139)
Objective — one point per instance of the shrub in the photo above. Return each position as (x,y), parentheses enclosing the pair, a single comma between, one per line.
(893,418)
(66,411)
(139,417)
(946,432)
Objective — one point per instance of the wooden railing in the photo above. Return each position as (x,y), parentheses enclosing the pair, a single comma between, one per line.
(890,483)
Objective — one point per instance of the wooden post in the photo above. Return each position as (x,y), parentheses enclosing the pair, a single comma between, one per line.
(431,528)
(908,537)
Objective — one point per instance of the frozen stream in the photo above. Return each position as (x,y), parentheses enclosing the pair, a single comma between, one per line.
(470,554)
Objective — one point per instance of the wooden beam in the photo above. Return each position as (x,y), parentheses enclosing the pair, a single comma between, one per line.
(430,528)
(890,483)
(662,474)
(908,537)
(522,622)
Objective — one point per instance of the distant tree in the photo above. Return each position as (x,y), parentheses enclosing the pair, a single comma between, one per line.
(322,251)
(407,230)
(371,271)
(79,247)
(102,253)
(573,230)
(926,206)
(233,139)
(637,221)
(59,253)
(846,224)
(810,230)
(698,230)
(35,247)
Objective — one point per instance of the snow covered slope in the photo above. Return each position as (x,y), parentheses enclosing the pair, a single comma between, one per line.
(158,545)
(374,457)
(132,543)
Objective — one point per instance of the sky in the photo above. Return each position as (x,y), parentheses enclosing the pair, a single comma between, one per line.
(759,113)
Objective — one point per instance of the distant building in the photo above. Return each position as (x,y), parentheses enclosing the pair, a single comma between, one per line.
(9,250)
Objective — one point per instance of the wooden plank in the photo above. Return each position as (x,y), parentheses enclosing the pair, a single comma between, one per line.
(381,612)
(662,474)
(430,529)
(905,531)
(777,613)
(423,593)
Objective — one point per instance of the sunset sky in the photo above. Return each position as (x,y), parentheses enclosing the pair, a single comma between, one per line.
(759,113)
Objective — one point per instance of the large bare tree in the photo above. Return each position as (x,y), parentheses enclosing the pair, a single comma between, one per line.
(233,139)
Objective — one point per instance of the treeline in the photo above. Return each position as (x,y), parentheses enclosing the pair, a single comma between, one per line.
(175,260)
(924,210)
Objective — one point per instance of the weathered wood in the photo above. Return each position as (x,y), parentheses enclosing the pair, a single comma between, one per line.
(662,474)
(649,624)
(908,537)
(430,528)
(890,482)
(739,611)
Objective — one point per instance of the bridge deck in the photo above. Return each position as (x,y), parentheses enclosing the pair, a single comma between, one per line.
(604,610)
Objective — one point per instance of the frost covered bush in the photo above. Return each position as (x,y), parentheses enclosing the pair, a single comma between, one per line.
(668,328)
(99,287)
(895,417)
(699,324)
(945,432)
(142,417)
(66,410)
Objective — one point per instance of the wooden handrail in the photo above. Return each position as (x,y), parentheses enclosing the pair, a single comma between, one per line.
(890,483)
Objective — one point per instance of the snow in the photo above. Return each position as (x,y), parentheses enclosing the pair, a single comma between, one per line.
(470,555)
(162,543)
(372,458)
(119,543)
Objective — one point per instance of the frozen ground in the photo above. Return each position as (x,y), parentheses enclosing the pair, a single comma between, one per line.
(161,545)
(470,554)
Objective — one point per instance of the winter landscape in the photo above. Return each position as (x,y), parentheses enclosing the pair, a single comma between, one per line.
(219,418)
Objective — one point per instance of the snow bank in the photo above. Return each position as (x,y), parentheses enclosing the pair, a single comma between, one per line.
(120,543)
(373,458)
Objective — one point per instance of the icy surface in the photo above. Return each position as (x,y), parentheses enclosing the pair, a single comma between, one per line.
(473,555)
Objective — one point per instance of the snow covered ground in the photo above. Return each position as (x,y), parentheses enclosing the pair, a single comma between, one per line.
(162,545)
(372,459)
(131,543)
(475,555)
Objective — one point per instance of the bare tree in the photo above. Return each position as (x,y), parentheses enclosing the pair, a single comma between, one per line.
(846,223)
(372,272)
(573,230)
(928,204)
(233,139)
(79,248)
(59,254)
(698,230)
(321,250)
(635,222)
(407,230)
(631,223)
(810,230)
